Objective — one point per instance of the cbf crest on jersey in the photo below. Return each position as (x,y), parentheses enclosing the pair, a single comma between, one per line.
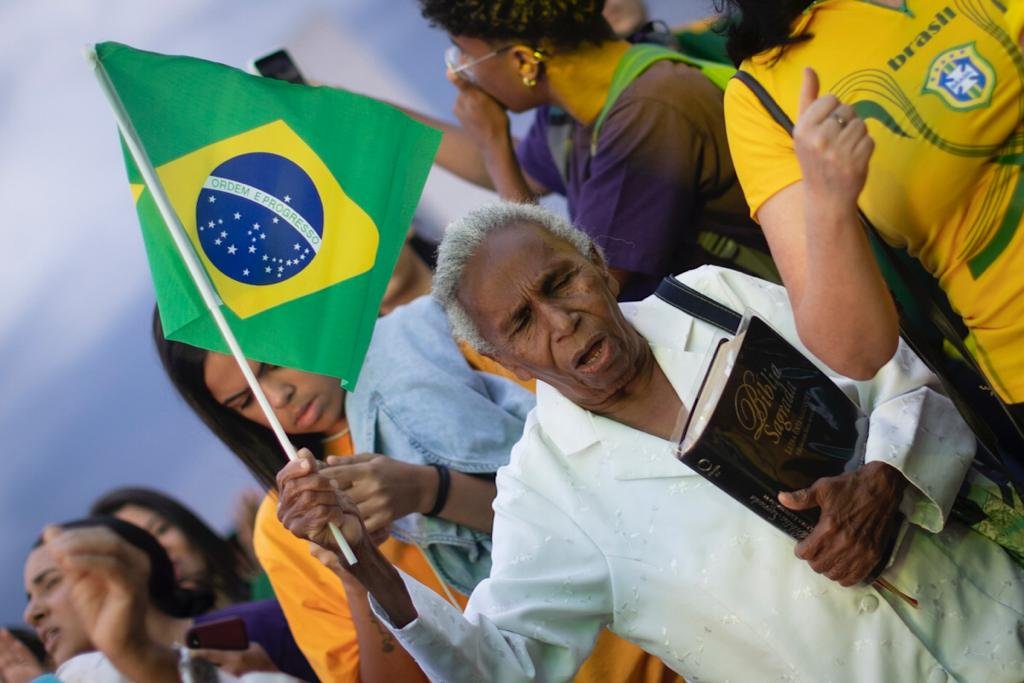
(267,217)
(962,78)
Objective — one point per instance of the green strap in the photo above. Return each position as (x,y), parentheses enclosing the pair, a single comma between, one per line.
(637,60)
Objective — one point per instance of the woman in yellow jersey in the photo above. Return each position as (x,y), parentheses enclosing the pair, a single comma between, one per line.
(922,126)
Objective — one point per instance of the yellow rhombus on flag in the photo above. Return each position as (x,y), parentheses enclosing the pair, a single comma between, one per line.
(327,256)
(296,199)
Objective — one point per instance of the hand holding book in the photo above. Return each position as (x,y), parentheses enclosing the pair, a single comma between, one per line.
(859,518)
(765,420)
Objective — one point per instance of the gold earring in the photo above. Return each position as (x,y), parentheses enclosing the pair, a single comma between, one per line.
(529,82)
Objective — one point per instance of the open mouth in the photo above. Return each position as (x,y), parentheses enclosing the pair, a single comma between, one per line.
(593,356)
(49,638)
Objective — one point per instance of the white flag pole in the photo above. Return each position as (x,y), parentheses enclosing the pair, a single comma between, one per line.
(195,268)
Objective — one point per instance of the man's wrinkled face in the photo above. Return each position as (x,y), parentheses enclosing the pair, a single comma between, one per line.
(551,314)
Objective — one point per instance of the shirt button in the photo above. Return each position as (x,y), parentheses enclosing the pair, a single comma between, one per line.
(867,604)
(938,675)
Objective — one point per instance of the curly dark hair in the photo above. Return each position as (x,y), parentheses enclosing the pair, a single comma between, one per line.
(753,26)
(561,24)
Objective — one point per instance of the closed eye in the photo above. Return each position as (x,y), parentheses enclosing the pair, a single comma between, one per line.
(520,321)
(561,281)
(246,395)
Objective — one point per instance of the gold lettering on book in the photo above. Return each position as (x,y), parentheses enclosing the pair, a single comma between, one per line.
(764,403)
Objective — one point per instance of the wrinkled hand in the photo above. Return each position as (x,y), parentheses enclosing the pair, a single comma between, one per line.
(109,579)
(383,489)
(832,145)
(17,663)
(481,116)
(859,515)
(308,501)
(239,662)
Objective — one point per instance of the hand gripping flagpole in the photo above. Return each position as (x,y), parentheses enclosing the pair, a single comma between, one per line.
(195,268)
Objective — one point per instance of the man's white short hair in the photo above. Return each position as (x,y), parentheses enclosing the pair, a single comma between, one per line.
(463,237)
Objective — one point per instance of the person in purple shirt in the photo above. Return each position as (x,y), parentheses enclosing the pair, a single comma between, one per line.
(659,178)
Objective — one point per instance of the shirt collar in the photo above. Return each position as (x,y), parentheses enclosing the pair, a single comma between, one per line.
(573,429)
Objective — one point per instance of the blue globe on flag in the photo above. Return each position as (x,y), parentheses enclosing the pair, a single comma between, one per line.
(259,218)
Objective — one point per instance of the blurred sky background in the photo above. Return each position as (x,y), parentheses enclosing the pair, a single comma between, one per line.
(84,405)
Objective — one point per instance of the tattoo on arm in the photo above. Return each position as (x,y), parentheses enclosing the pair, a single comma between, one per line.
(387,641)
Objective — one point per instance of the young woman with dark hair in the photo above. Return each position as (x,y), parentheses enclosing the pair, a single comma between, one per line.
(652,183)
(445,425)
(201,558)
(927,96)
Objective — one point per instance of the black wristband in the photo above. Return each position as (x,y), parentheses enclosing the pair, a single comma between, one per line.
(444,480)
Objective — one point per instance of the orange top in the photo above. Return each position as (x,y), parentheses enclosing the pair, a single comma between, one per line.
(312,597)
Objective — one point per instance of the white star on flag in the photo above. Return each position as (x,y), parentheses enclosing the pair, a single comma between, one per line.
(245,272)
(287,198)
(223,233)
(217,241)
(252,249)
(296,247)
(212,199)
(232,249)
(237,215)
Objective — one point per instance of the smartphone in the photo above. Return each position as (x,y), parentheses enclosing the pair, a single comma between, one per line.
(222,634)
(278,65)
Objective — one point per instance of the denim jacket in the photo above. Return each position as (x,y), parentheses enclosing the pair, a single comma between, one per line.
(418,401)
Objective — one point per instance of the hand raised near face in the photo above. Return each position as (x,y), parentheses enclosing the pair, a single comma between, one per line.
(17,663)
(859,516)
(108,578)
(308,501)
(832,145)
(481,116)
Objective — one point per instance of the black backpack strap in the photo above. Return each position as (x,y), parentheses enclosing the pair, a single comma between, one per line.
(698,305)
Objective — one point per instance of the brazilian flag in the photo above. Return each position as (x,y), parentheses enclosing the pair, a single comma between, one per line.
(297,200)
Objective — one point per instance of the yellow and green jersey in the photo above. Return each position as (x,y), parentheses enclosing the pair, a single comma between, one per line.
(939,83)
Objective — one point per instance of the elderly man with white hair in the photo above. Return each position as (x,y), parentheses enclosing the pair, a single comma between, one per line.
(597,523)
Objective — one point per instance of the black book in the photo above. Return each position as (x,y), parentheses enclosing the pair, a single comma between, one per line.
(766,420)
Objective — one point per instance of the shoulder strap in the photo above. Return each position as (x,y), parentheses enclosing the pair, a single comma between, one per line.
(637,60)
(698,305)
(977,404)
(767,101)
